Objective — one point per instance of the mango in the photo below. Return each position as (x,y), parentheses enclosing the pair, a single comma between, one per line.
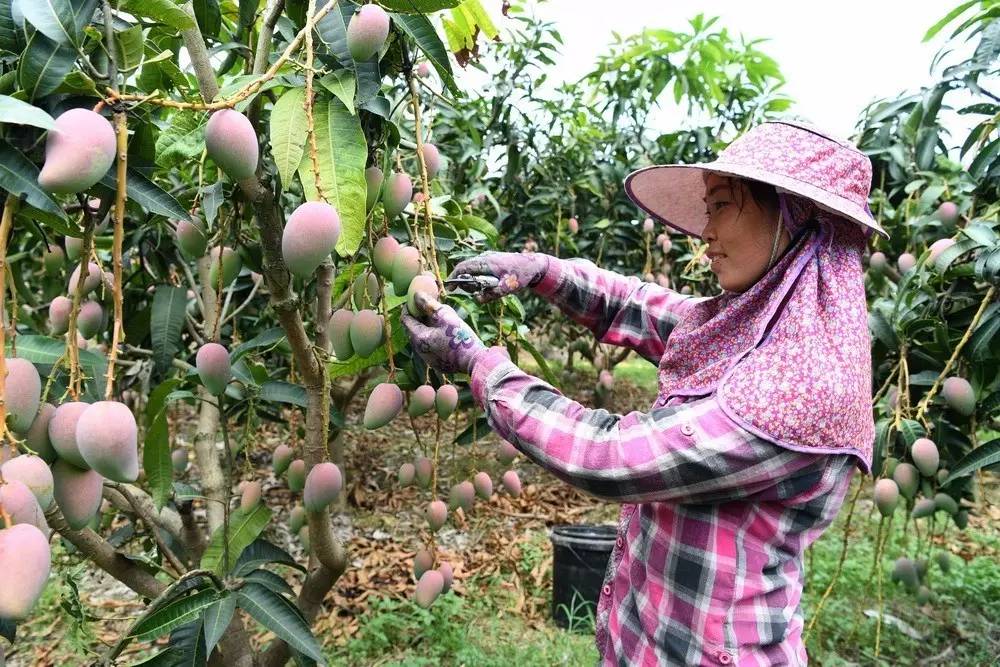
(22,394)
(89,319)
(436,514)
(384,403)
(886,496)
(304,537)
(25,561)
(606,380)
(91,282)
(405,267)
(905,571)
(191,239)
(297,475)
(925,456)
(907,477)
(37,437)
(942,475)
(59,311)
(339,330)
(384,254)
(890,465)
(107,438)
(74,246)
(959,395)
(446,400)
(405,474)
(424,471)
(945,503)
(232,143)
(79,150)
(34,473)
(429,588)
(62,432)
(877,262)
(77,493)
(647,226)
(943,559)
(323,484)
(367,32)
(448,575)
(483,485)
(506,452)
(574,225)
(282,458)
(422,561)
(53,259)
(426,283)
(511,482)
(297,518)
(396,194)
(461,495)
(179,461)
(947,213)
(923,595)
(421,400)
(938,247)
(367,332)
(21,504)
(231,266)
(906,262)
(432,160)
(924,507)
(214,369)
(365,290)
(961,519)
(373,181)
(251,495)
(309,237)
(921,566)
(423,69)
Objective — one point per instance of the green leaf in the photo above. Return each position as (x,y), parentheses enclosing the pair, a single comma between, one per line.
(217,618)
(182,141)
(984,159)
(266,338)
(162,11)
(209,17)
(948,18)
(287,131)
(262,552)
(279,391)
(156,446)
(148,195)
(479,224)
(421,31)
(62,21)
(166,322)
(129,48)
(539,359)
(13,110)
(270,580)
(10,41)
(244,528)
(419,6)
(173,614)
(910,430)
(981,345)
(341,153)
(980,457)
(19,176)
(43,65)
(341,83)
(280,617)
(882,430)
(46,351)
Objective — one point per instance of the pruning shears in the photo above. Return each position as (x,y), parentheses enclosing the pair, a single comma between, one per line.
(466,283)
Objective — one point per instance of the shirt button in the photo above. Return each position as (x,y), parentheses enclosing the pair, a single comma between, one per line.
(724,658)
(621,542)
(687,429)
(606,589)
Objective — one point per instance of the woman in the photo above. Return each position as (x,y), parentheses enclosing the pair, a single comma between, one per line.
(764,396)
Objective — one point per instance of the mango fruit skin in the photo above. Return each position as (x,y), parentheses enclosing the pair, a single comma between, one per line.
(107,437)
(251,495)
(309,237)
(77,493)
(945,503)
(59,311)
(23,393)
(483,485)
(923,508)
(191,239)
(396,193)
(91,282)
(424,468)
(21,504)
(62,432)
(429,588)
(405,267)
(367,31)
(179,461)
(384,403)
(230,266)
(25,562)
(448,575)
(297,475)
(506,452)
(339,330)
(959,395)
(947,213)
(323,485)
(426,283)
(446,400)
(373,181)
(296,518)
(79,150)
(422,561)
(89,319)
(461,495)
(432,160)
(367,332)
(34,473)
(886,496)
(53,259)
(421,400)
(436,514)
(232,143)
(383,255)
(925,456)
(512,483)
(939,247)
(907,477)
(214,368)
(282,458)
(406,473)
(37,437)
(74,247)
(906,262)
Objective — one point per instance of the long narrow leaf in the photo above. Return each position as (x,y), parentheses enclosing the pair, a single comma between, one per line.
(176,613)
(244,528)
(281,617)
(980,457)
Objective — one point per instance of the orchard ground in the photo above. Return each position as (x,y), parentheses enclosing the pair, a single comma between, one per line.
(498,612)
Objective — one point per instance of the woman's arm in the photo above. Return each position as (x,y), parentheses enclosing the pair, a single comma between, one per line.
(618,309)
(691,452)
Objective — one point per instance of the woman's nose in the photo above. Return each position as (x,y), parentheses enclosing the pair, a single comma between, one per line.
(708,234)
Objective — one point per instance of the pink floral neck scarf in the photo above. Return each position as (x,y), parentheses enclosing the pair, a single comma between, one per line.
(790,357)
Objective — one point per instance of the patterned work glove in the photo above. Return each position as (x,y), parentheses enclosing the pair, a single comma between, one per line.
(443,341)
(514,270)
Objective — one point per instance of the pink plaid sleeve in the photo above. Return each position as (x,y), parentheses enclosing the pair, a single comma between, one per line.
(619,310)
(692,452)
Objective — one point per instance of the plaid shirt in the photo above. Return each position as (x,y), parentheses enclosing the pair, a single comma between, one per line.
(707,566)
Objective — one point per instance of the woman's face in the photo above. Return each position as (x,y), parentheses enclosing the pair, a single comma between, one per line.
(739,241)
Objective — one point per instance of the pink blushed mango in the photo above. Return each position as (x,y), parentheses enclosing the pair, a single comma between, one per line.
(429,588)
(446,400)
(373,184)
(384,403)
(367,332)
(37,437)
(250,495)
(191,239)
(297,475)
(405,267)
(383,255)
(367,32)
(62,432)
(421,400)
(232,143)
(21,504)
(89,319)
(79,150)
(214,369)
(959,395)
(309,237)
(323,484)
(34,473)
(339,329)
(22,389)
(107,437)
(91,282)
(59,311)
(77,493)
(230,266)
(25,561)
(397,193)
(432,160)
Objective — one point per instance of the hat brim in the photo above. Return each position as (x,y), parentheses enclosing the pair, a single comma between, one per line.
(674,194)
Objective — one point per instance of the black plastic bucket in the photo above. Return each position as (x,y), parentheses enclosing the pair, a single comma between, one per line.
(579,561)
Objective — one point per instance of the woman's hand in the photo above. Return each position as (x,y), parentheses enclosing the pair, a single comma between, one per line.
(444,342)
(514,270)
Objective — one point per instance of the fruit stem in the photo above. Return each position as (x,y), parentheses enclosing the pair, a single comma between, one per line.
(118,332)
(9,207)
(73,348)
(424,181)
